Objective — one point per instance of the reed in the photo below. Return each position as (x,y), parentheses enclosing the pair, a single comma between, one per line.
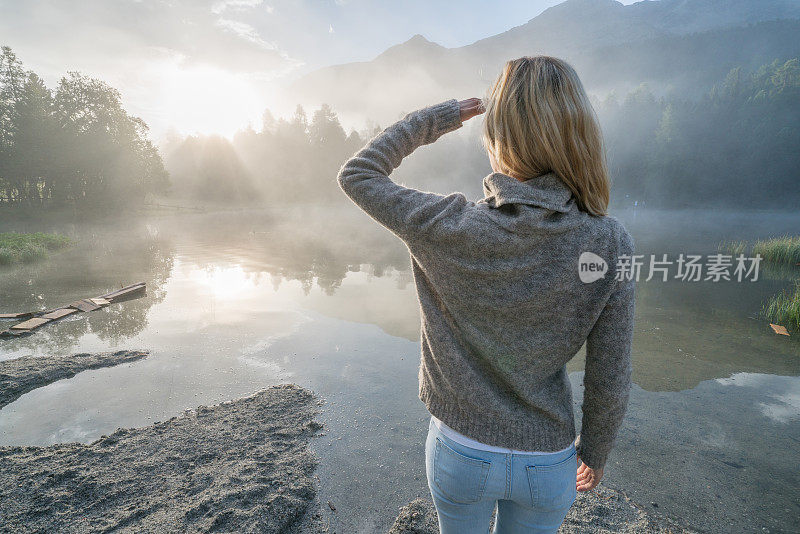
(784,249)
(732,247)
(784,309)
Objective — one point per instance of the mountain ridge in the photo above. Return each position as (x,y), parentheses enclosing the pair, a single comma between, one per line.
(420,71)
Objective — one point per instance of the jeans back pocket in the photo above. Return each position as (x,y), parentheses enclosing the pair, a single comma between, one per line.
(553,486)
(461,478)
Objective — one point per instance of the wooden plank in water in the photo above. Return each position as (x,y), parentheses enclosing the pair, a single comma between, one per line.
(30,324)
(19,315)
(132,287)
(59,313)
(124,293)
(125,290)
(84,305)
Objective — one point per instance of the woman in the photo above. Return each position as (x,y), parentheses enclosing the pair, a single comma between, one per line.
(510,287)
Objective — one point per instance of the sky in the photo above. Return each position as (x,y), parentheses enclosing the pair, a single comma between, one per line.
(213,66)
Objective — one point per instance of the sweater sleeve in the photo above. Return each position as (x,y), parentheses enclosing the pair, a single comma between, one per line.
(607,379)
(364,178)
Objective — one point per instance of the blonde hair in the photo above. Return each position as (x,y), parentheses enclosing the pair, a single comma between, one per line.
(538,119)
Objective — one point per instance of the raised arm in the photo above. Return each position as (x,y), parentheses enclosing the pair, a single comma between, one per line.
(365,178)
(607,379)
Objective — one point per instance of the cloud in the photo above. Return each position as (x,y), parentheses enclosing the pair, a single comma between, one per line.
(782,391)
(238,5)
(209,65)
(97,30)
(245,31)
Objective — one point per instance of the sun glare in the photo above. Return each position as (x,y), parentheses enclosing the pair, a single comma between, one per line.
(224,283)
(207,100)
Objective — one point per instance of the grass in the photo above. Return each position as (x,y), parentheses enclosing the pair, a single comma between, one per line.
(784,309)
(732,247)
(784,249)
(26,248)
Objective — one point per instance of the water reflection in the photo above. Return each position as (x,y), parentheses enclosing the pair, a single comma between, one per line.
(783,393)
(721,453)
(232,264)
(102,261)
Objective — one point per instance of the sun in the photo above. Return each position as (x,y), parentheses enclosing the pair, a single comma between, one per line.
(202,99)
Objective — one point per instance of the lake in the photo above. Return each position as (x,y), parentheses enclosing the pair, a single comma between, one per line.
(239,300)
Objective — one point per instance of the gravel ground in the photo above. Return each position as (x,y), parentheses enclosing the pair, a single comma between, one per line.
(241,466)
(21,375)
(602,511)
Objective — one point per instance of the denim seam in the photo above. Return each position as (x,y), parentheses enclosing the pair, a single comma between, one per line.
(464,458)
(531,469)
(509,478)
(484,471)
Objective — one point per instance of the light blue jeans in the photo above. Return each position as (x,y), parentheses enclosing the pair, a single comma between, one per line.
(532,492)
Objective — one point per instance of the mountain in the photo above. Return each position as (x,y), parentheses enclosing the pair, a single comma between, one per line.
(677,45)
(686,16)
(566,28)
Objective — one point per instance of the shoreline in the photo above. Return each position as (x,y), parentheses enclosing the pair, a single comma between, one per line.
(243,465)
(239,466)
(600,511)
(22,375)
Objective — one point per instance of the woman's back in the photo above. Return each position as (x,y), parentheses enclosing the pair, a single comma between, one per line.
(513,281)
(504,308)
(502,304)
(509,288)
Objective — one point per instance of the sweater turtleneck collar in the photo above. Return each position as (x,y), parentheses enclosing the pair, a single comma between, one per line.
(546,191)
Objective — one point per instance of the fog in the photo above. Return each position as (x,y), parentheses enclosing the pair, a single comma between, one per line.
(732,147)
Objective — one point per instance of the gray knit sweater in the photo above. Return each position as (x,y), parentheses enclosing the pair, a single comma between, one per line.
(503,307)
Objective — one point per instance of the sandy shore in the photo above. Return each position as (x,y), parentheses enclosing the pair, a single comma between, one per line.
(602,511)
(21,375)
(240,466)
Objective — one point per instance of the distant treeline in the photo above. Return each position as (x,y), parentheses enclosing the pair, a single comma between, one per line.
(288,161)
(75,145)
(690,63)
(737,147)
